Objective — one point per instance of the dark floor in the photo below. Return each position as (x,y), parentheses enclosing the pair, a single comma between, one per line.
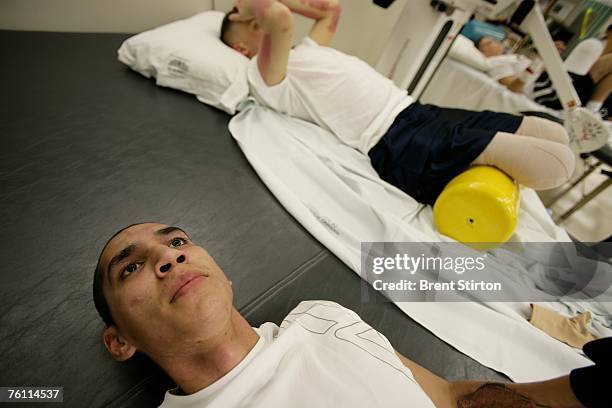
(86,147)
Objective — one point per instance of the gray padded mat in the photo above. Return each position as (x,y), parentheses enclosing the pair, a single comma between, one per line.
(87,146)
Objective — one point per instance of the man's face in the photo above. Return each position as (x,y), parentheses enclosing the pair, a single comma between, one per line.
(164,292)
(490,47)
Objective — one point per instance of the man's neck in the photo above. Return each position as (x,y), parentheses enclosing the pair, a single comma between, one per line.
(195,371)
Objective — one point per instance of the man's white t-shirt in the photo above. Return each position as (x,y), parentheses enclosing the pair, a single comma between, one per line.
(508,65)
(338,92)
(322,355)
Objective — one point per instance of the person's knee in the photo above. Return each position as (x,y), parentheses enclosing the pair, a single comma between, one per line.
(601,68)
(557,166)
(559,132)
(541,128)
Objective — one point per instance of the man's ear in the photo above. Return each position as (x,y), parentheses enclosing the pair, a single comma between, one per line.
(119,347)
(242,48)
(253,25)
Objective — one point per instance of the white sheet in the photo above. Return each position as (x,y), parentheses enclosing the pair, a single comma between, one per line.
(333,191)
(456,85)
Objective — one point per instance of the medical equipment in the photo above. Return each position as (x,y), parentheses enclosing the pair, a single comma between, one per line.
(475,30)
(599,158)
(426,29)
(478,206)
(585,22)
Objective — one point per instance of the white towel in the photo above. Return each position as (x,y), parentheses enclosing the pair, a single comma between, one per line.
(332,190)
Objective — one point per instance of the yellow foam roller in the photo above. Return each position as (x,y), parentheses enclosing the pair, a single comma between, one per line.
(478,206)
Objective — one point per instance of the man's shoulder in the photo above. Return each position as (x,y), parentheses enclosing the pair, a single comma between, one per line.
(335,326)
(325,312)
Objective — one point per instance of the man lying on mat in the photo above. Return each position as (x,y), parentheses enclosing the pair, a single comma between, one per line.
(418,148)
(163,295)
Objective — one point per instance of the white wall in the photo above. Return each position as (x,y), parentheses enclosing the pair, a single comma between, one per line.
(363,27)
(118,16)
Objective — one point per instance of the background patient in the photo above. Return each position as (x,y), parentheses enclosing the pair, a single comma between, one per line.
(593,88)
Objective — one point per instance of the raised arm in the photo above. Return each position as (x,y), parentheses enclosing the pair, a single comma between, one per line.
(276,22)
(326,14)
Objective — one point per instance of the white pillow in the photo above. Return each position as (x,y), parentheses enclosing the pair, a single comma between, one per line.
(188,55)
(464,50)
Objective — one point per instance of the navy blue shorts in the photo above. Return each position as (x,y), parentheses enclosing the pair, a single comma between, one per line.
(427,146)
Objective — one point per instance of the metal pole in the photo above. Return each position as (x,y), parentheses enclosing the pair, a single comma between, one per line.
(549,7)
(585,200)
(591,169)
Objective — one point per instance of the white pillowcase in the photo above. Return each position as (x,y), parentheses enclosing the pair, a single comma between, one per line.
(464,50)
(188,55)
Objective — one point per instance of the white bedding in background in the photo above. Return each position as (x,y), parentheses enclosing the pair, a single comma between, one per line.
(332,190)
(457,85)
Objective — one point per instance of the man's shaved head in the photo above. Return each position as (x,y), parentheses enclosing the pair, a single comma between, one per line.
(226,28)
(242,36)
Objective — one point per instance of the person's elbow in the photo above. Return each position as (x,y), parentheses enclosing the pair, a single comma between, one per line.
(335,8)
(335,4)
(279,18)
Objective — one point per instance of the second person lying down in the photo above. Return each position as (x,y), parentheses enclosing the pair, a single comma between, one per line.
(418,148)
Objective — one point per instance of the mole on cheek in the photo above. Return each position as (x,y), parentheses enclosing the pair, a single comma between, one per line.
(137,301)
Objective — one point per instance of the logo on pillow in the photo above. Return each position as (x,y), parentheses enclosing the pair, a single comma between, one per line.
(178,66)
